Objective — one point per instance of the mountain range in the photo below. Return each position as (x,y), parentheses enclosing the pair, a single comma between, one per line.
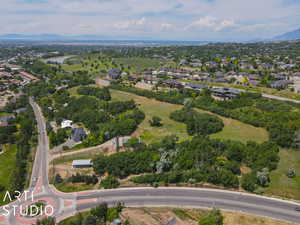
(293,35)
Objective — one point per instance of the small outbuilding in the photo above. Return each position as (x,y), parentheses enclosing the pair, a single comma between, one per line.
(66,123)
(82,163)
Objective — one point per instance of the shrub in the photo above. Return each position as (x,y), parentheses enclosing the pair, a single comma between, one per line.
(214,217)
(155,122)
(58,179)
(109,182)
(291,173)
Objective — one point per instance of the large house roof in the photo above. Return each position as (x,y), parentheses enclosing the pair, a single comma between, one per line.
(114,73)
(78,134)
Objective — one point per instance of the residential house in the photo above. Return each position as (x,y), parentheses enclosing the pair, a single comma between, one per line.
(134,78)
(219,74)
(114,74)
(220,80)
(281,84)
(5,120)
(149,79)
(78,134)
(222,93)
(196,87)
(183,62)
(172,83)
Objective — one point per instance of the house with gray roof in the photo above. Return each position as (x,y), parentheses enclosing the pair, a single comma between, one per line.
(223,93)
(114,74)
(196,87)
(4,121)
(78,134)
(281,84)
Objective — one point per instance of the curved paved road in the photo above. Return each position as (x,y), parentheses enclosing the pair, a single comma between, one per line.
(66,205)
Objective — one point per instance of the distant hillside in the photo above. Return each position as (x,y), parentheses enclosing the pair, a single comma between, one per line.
(293,35)
(31,36)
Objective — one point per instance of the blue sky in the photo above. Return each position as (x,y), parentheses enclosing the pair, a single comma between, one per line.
(152,19)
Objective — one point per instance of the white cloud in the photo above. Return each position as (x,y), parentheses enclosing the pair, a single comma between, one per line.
(212,23)
(166,26)
(165,19)
(225,24)
(207,21)
(131,24)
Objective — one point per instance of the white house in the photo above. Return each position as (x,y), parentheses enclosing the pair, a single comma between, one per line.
(66,123)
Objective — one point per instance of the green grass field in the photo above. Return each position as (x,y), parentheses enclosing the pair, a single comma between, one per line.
(4,114)
(281,185)
(95,64)
(8,162)
(138,64)
(72,68)
(233,130)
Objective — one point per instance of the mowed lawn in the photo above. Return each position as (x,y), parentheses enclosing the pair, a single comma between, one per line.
(233,130)
(8,162)
(281,185)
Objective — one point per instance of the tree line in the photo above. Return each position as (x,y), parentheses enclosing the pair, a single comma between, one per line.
(21,132)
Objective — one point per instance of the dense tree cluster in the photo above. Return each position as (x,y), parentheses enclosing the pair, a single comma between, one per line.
(155,121)
(59,137)
(100,93)
(105,119)
(199,160)
(20,132)
(79,178)
(53,78)
(109,182)
(46,221)
(123,164)
(198,123)
(99,215)
(214,217)
(7,133)
(24,142)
